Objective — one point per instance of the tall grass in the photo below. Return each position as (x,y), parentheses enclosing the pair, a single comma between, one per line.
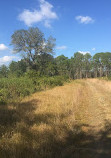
(54,124)
(44,125)
(38,126)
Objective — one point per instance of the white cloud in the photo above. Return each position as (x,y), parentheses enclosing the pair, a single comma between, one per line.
(93,49)
(44,14)
(84,19)
(82,52)
(61,47)
(47,24)
(7,59)
(3,47)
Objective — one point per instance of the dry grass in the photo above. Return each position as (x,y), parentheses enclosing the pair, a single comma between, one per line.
(58,123)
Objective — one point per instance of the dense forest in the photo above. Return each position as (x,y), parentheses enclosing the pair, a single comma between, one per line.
(39,68)
(79,66)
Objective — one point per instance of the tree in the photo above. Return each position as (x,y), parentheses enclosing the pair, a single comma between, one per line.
(78,63)
(3,71)
(13,67)
(46,64)
(71,68)
(62,64)
(87,64)
(31,43)
(97,64)
(17,68)
(106,60)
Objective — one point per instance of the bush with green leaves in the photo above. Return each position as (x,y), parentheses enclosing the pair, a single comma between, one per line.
(109,76)
(14,89)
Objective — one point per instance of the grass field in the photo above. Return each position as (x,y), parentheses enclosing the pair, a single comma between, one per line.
(71,121)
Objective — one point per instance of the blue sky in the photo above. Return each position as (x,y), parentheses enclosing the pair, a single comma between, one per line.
(77,25)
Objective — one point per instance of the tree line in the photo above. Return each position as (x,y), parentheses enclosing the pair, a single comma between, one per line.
(38,56)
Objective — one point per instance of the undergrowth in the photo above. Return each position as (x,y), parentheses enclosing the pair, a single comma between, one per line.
(14,89)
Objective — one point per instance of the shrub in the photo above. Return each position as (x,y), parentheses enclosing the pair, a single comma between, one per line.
(13,89)
(109,76)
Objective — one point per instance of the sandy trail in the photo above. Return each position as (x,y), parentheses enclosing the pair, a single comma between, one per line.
(97,117)
(99,102)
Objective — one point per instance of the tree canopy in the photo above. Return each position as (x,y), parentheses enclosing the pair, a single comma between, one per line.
(32,43)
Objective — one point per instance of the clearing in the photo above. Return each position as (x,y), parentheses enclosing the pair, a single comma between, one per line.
(72,121)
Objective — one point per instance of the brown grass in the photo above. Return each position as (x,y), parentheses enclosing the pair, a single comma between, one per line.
(65,122)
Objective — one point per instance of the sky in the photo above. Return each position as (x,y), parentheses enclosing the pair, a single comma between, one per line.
(78,25)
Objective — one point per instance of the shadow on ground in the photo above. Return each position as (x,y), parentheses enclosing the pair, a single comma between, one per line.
(23,135)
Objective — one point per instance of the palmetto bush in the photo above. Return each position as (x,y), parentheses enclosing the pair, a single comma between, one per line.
(14,89)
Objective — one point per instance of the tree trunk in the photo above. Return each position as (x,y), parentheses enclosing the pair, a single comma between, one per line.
(86,74)
(95,74)
(101,71)
(80,74)
(106,72)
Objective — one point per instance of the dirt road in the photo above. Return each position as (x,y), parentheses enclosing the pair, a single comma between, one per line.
(96,118)
(98,101)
